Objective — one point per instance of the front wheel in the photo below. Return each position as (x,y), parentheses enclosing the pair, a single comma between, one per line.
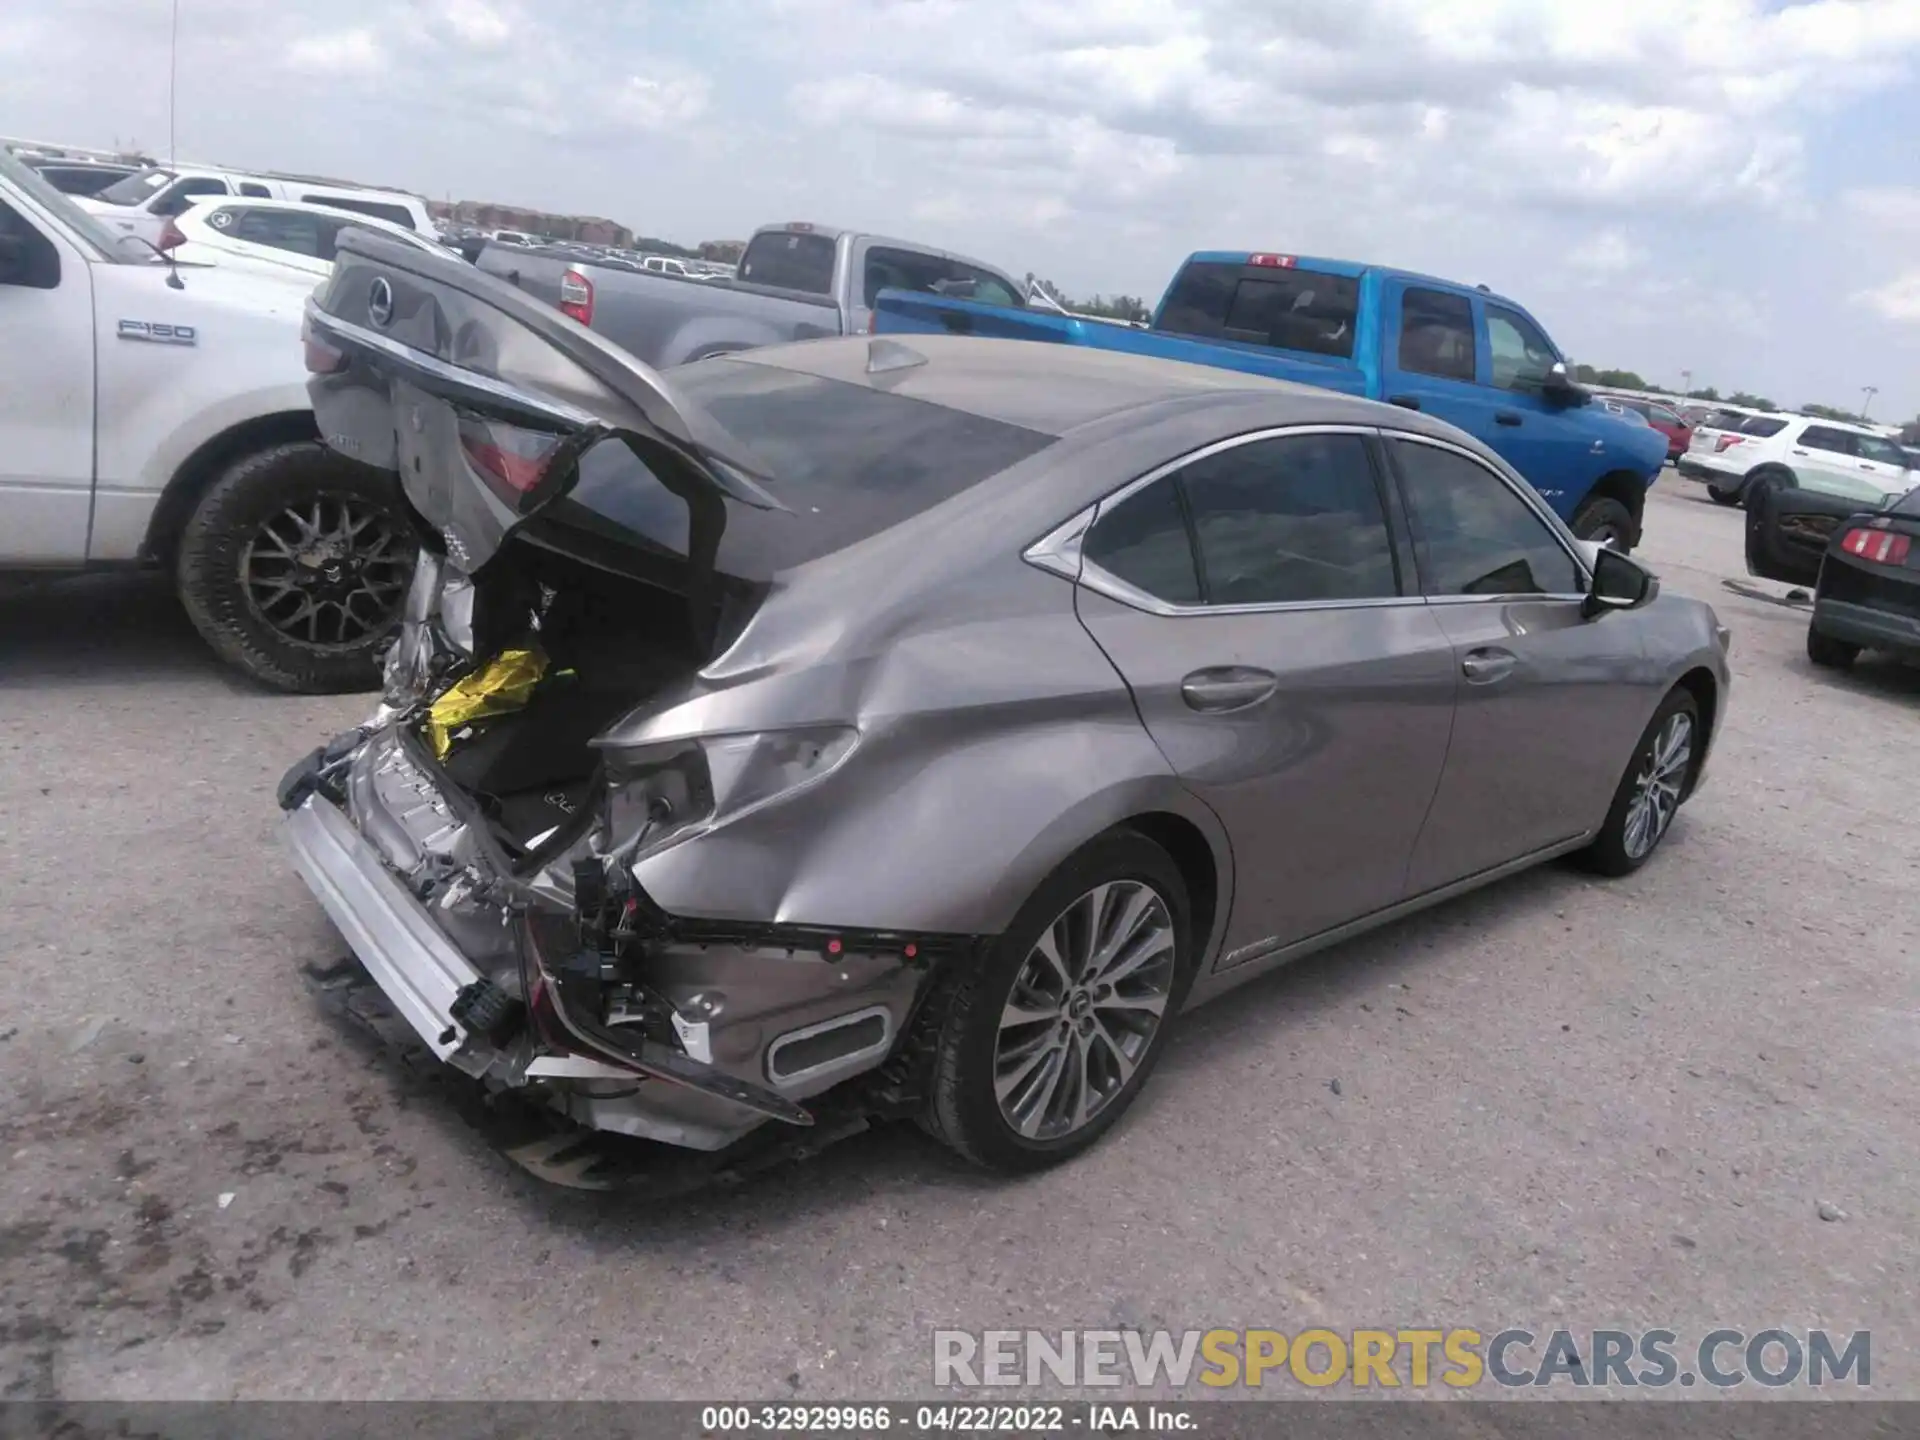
(1606,521)
(294,566)
(1049,1041)
(1650,792)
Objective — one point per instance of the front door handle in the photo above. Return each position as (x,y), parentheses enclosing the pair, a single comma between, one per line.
(1488,665)
(1227,687)
(1405,402)
(1506,417)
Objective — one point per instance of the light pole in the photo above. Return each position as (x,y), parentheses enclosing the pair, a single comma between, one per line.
(1869,391)
(1686,383)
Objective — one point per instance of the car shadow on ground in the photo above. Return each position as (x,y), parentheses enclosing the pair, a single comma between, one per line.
(105,629)
(898,1159)
(1875,675)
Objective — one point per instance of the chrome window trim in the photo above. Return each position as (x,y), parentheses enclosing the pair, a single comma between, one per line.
(1059,550)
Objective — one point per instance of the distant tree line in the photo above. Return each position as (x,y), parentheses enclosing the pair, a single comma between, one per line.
(1130,308)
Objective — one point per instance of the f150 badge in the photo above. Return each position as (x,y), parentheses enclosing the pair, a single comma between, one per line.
(158,333)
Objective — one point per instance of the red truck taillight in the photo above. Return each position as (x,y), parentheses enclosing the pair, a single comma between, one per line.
(576,296)
(1726,442)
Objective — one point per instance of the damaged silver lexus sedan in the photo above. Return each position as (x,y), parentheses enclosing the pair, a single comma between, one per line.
(848,729)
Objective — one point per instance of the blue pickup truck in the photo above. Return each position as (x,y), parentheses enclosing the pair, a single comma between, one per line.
(1473,358)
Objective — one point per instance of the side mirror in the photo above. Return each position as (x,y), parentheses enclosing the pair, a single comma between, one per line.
(1619,583)
(1558,386)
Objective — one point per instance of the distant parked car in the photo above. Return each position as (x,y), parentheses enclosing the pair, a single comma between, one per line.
(1668,421)
(142,203)
(1795,451)
(281,233)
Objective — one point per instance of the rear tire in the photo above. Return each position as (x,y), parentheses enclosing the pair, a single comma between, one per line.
(1767,478)
(1723,497)
(294,567)
(1073,1048)
(1827,652)
(1602,518)
(1650,791)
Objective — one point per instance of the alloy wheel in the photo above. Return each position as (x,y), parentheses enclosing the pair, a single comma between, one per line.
(329,573)
(1656,789)
(1084,1009)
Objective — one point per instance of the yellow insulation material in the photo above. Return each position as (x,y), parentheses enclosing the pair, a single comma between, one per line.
(501,686)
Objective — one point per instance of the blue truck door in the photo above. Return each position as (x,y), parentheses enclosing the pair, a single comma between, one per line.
(1548,443)
(1429,356)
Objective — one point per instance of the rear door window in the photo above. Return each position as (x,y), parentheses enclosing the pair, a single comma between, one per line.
(290,230)
(1822,437)
(1287,309)
(1473,534)
(790,260)
(1291,519)
(1144,541)
(1436,334)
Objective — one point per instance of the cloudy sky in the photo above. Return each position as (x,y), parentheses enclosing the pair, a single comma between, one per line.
(1726,187)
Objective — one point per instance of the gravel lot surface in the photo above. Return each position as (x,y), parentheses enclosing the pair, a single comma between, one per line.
(1559,1102)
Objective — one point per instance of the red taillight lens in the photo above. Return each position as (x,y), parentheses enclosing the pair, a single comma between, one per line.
(1274,262)
(576,296)
(512,461)
(322,358)
(1726,442)
(170,236)
(1882,547)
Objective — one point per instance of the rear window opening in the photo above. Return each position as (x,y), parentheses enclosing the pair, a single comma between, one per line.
(1762,426)
(790,260)
(1297,309)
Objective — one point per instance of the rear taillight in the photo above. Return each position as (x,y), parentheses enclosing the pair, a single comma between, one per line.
(1881,547)
(322,358)
(1726,442)
(1272,262)
(576,296)
(511,460)
(170,236)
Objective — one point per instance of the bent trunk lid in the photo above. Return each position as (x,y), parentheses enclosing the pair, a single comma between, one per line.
(483,400)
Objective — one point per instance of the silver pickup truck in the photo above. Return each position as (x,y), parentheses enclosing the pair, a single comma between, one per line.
(795,282)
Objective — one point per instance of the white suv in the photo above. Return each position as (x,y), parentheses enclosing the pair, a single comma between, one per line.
(283,233)
(142,203)
(1796,451)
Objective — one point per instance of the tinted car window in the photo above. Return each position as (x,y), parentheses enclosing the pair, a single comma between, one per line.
(395,214)
(1293,518)
(255,189)
(1294,309)
(38,266)
(1521,354)
(1472,534)
(1143,540)
(890,269)
(846,461)
(789,260)
(281,229)
(177,196)
(1761,426)
(1436,334)
(1885,452)
(137,188)
(1820,437)
(1661,415)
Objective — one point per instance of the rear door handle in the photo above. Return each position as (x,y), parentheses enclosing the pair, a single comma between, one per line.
(1506,417)
(1405,402)
(1488,665)
(1227,687)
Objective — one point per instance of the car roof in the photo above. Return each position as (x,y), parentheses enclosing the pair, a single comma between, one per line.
(1056,389)
(1352,269)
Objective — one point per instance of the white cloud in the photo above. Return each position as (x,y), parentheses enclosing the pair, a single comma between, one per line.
(1898,299)
(344,52)
(659,102)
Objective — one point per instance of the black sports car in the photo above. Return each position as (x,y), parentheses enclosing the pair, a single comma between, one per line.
(1864,568)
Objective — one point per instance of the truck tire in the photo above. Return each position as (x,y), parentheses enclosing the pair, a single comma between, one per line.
(1766,477)
(1602,518)
(294,566)
(1827,652)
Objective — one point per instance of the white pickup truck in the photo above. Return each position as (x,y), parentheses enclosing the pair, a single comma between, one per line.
(157,414)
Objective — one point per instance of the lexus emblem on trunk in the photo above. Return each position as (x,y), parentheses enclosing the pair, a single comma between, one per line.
(380,301)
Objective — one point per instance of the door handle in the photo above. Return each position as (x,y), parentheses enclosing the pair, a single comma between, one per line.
(1801,453)
(1405,402)
(1506,417)
(1227,687)
(1488,666)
